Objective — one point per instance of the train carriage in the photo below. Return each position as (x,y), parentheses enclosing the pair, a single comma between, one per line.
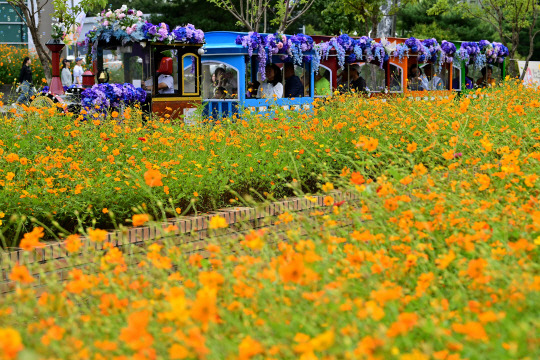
(233,70)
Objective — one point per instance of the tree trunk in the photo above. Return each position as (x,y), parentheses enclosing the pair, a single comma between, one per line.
(513,70)
(43,55)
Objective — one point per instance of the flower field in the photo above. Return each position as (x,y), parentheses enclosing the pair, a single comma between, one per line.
(11,58)
(439,260)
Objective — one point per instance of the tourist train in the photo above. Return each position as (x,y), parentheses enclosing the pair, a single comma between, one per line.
(174,73)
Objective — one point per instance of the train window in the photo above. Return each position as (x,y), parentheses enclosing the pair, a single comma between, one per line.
(396,79)
(296,80)
(220,81)
(323,87)
(373,76)
(437,78)
(166,70)
(456,77)
(493,74)
(190,71)
(133,69)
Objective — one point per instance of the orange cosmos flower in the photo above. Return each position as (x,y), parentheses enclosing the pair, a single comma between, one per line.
(328,200)
(412,147)
(473,330)
(476,267)
(10,343)
(371,144)
(357,178)
(293,270)
(249,348)
(204,308)
(140,219)
(73,243)
(153,178)
(21,274)
(31,239)
(178,352)
(97,235)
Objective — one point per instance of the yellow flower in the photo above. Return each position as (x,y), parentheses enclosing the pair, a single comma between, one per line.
(328,187)
(217,222)
(10,343)
(97,235)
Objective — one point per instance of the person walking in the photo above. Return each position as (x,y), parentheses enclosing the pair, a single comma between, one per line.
(25,80)
(65,76)
(78,72)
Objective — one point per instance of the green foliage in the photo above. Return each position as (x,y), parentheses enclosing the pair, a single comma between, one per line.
(414,20)
(66,12)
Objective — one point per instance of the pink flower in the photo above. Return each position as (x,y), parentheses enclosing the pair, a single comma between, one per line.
(280,45)
(139,13)
(129,30)
(457,155)
(108,14)
(121,16)
(105,23)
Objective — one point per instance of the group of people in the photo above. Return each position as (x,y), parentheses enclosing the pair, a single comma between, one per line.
(423,79)
(273,86)
(26,88)
(65,74)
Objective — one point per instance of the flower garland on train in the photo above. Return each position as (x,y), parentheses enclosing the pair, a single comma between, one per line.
(101,97)
(292,48)
(128,25)
(350,50)
(477,53)
(481,53)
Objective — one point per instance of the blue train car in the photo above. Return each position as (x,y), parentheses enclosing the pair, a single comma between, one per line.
(233,73)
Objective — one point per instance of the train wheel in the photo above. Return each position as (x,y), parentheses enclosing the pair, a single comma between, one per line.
(42,101)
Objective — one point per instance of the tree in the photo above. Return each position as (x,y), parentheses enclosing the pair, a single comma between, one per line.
(31,12)
(367,12)
(413,20)
(507,17)
(250,13)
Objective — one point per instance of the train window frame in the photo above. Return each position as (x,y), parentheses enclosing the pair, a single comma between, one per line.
(197,75)
(216,62)
(460,82)
(401,80)
(330,72)
(362,64)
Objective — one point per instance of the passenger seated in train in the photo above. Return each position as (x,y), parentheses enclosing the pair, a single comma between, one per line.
(469,82)
(434,81)
(322,84)
(358,83)
(486,79)
(417,80)
(220,93)
(343,80)
(293,85)
(272,87)
(165,79)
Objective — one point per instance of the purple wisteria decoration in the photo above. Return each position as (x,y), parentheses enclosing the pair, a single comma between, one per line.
(127,25)
(294,47)
(448,50)
(105,96)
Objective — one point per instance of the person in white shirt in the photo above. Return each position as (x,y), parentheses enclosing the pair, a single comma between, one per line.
(272,88)
(436,83)
(165,79)
(78,72)
(65,76)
